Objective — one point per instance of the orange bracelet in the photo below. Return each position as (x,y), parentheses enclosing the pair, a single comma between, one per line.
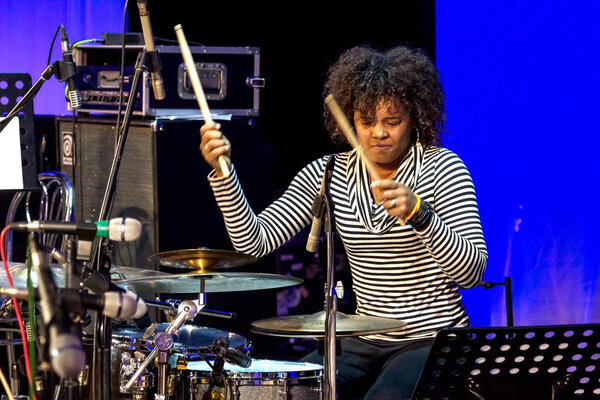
(414,209)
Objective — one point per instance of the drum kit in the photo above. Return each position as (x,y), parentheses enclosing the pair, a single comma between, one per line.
(199,362)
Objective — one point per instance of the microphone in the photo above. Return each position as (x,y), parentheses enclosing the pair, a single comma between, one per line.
(98,282)
(155,65)
(66,351)
(113,304)
(117,229)
(220,348)
(318,207)
(71,71)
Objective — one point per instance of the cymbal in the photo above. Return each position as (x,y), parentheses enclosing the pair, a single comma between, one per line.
(214,282)
(313,325)
(141,279)
(119,273)
(202,259)
(18,274)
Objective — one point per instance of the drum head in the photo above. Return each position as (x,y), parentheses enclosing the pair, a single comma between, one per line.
(264,368)
(190,338)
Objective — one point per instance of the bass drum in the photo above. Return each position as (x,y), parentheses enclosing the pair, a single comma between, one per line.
(263,380)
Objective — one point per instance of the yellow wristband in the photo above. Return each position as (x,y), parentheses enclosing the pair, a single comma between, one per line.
(414,210)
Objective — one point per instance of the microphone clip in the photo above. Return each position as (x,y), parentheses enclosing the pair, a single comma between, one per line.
(219,349)
(64,70)
(152,61)
(319,206)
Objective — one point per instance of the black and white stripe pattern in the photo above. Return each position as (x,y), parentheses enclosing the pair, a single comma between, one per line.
(396,271)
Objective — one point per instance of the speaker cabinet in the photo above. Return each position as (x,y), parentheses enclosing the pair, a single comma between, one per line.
(161,181)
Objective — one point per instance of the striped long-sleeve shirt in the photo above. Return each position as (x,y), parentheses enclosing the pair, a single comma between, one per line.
(397,272)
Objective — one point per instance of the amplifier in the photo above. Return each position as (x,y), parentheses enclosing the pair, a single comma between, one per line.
(229,76)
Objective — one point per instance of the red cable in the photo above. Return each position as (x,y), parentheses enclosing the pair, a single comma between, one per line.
(16,305)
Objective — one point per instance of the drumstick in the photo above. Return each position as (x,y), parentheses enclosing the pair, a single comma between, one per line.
(197,85)
(348,131)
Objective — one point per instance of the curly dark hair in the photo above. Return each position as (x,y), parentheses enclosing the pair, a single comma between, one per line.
(363,77)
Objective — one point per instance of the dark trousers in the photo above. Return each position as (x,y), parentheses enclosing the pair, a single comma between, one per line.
(370,371)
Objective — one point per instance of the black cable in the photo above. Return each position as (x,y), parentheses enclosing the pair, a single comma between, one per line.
(122,72)
(52,44)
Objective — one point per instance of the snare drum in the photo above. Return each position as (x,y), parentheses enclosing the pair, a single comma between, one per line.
(263,380)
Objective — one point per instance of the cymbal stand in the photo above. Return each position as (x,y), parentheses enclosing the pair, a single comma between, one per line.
(163,342)
(169,307)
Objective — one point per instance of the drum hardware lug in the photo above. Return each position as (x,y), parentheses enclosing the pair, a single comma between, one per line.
(83,376)
(181,364)
(150,330)
(144,381)
(235,391)
(217,396)
(39,383)
(284,391)
(171,384)
(339,289)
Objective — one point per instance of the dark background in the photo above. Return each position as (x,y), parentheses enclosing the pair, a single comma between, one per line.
(297,44)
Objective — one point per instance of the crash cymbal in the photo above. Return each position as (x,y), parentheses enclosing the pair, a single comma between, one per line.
(202,259)
(313,325)
(214,282)
(18,274)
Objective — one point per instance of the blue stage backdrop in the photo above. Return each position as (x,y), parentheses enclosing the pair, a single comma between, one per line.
(522,83)
(26,31)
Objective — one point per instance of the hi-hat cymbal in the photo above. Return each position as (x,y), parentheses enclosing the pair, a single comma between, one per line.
(313,325)
(214,282)
(202,259)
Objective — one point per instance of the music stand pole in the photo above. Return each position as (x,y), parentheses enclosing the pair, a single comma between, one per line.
(509,306)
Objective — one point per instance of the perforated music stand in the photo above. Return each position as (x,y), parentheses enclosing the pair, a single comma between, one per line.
(13,87)
(513,363)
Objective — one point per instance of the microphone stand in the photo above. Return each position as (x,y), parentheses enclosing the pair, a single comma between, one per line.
(62,70)
(322,210)
(330,308)
(71,386)
(103,332)
(68,387)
